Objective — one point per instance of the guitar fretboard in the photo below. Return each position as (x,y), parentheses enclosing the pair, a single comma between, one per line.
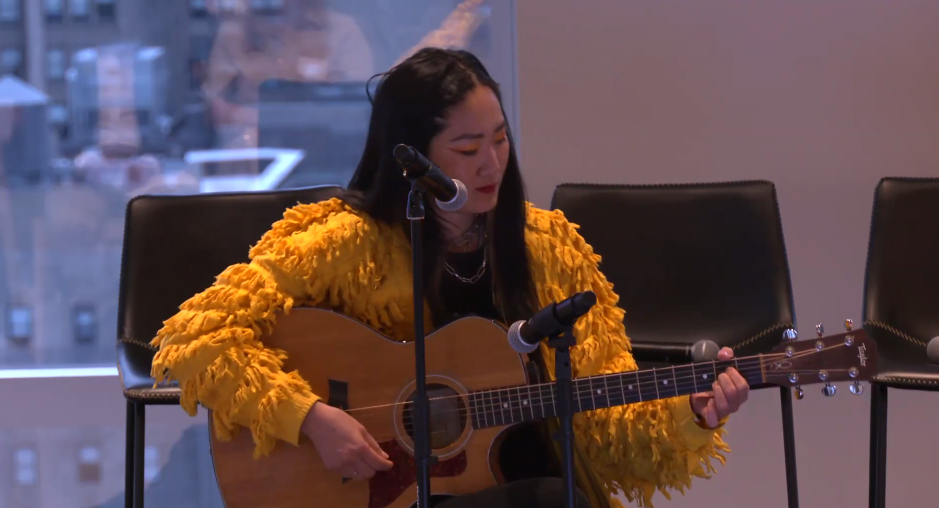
(516,404)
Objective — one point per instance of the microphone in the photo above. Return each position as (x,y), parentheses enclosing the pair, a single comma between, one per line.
(450,194)
(524,336)
(932,350)
(704,351)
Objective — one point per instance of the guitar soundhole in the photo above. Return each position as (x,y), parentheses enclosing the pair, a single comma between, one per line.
(447,416)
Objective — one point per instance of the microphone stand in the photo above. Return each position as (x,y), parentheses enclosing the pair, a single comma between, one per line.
(562,342)
(422,457)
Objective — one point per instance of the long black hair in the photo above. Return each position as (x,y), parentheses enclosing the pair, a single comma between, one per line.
(409,102)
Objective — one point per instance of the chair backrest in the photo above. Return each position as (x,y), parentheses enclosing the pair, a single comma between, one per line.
(901,285)
(175,246)
(690,261)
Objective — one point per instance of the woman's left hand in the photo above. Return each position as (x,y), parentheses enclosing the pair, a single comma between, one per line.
(730,390)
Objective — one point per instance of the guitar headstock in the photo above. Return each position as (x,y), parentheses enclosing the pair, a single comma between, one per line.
(849,356)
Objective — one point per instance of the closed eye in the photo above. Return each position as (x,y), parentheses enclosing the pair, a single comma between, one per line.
(501,138)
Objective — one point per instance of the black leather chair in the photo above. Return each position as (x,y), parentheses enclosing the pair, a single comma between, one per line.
(174,247)
(692,262)
(901,302)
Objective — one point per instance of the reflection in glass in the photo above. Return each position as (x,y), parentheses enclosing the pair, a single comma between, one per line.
(123,97)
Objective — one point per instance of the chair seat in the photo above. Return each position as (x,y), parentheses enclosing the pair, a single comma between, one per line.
(133,360)
(903,364)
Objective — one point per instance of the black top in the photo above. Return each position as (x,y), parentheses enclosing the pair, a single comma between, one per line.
(462,299)
(525,453)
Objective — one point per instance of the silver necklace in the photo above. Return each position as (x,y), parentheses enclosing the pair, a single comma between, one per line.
(474,278)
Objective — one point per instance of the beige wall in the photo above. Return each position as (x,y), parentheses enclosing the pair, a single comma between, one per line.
(821,97)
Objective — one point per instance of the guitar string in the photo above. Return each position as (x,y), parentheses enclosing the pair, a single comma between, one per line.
(496,412)
(520,410)
(499,406)
(482,406)
(488,410)
(642,376)
(614,397)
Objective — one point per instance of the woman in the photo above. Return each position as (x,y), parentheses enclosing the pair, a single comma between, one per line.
(498,257)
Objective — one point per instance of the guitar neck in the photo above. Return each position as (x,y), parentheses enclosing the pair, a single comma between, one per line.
(510,405)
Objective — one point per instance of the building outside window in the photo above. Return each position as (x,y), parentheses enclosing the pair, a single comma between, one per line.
(10,10)
(164,117)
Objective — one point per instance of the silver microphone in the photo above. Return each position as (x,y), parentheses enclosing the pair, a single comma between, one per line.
(458,199)
(516,340)
(932,350)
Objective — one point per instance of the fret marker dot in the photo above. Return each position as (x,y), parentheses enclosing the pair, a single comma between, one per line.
(705,376)
(665,382)
(630,387)
(505,405)
(599,392)
(525,402)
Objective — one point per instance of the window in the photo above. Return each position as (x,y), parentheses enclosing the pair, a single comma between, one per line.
(57,114)
(89,465)
(84,324)
(10,10)
(107,9)
(19,324)
(10,61)
(78,9)
(55,64)
(132,100)
(26,467)
(54,10)
(198,8)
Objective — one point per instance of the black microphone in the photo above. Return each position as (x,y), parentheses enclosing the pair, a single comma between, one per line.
(704,351)
(932,350)
(524,336)
(449,193)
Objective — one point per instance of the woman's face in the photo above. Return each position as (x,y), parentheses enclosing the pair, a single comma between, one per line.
(473,147)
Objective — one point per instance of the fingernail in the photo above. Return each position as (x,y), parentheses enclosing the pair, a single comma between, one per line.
(385,454)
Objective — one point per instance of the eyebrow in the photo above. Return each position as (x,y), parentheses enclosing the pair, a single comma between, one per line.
(461,137)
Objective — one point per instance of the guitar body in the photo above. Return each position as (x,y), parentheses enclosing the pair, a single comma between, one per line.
(354,367)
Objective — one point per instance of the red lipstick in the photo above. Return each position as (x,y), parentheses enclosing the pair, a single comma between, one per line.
(488,189)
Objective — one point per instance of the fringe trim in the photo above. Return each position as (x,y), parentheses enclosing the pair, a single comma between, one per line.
(213,345)
(635,449)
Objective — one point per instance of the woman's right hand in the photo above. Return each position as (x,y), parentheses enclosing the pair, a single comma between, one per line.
(345,447)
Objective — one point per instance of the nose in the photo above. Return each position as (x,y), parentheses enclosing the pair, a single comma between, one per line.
(490,163)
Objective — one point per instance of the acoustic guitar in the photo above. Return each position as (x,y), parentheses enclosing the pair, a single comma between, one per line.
(478,387)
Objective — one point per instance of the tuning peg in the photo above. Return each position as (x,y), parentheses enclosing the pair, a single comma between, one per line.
(791,335)
(820,329)
(800,393)
(849,324)
(856,388)
(829,389)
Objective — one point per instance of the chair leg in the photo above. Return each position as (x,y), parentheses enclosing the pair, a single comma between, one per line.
(789,446)
(129,457)
(877,497)
(139,447)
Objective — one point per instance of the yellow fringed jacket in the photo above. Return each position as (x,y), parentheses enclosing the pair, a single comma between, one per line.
(329,255)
